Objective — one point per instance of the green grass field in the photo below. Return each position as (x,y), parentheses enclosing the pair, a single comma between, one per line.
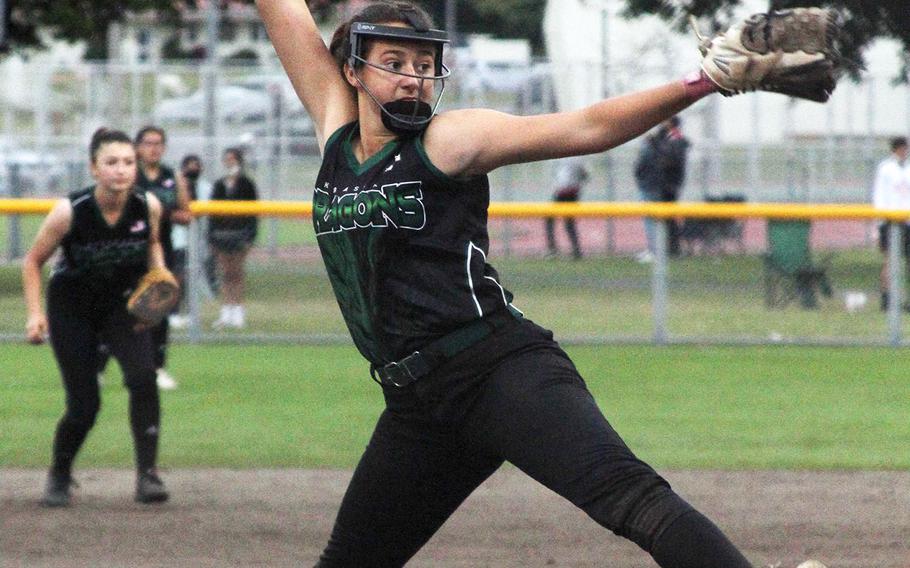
(599,297)
(688,407)
(314,406)
(287,232)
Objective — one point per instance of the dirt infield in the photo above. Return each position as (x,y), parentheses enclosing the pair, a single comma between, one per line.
(282,518)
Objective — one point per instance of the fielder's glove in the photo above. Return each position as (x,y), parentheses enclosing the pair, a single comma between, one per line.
(155,296)
(792,52)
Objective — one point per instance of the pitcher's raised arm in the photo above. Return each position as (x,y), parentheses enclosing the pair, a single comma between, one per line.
(308,63)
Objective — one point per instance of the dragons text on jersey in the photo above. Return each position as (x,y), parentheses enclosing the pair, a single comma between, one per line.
(397,205)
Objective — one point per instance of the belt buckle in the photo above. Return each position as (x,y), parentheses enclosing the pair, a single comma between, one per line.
(397,368)
(391,370)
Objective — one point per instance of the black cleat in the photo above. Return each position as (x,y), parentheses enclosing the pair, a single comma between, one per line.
(150,488)
(57,490)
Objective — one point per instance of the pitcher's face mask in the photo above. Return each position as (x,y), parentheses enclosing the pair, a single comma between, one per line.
(406,117)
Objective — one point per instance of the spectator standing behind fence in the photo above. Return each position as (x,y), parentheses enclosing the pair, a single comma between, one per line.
(231,239)
(197,189)
(571,176)
(892,191)
(155,177)
(108,235)
(171,191)
(660,172)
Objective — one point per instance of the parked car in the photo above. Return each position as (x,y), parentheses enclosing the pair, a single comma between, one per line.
(296,121)
(35,172)
(271,85)
(249,99)
(232,103)
(480,77)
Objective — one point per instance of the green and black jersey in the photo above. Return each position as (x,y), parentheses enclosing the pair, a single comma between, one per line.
(164,187)
(404,244)
(102,263)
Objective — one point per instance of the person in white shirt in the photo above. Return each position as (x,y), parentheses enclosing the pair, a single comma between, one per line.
(892,192)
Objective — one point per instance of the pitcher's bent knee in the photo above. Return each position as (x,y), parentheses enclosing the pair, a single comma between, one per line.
(638,504)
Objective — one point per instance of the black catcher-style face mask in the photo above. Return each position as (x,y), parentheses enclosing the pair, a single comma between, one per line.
(401,117)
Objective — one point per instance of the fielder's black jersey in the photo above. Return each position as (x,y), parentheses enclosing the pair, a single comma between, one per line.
(164,187)
(102,263)
(404,245)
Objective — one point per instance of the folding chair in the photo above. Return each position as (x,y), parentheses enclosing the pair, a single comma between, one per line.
(711,235)
(789,271)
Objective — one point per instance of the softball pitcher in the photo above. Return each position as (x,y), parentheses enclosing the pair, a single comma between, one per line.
(400,213)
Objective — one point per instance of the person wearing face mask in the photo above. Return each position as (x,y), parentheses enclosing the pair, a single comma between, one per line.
(198,188)
(400,211)
(231,239)
(400,216)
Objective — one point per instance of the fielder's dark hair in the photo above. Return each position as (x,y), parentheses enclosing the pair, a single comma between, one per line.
(674,121)
(377,13)
(104,136)
(150,128)
(236,152)
(898,142)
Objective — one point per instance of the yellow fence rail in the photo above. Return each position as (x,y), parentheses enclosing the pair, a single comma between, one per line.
(659,272)
(519,210)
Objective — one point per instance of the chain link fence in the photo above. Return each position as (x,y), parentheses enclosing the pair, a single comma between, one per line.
(716,291)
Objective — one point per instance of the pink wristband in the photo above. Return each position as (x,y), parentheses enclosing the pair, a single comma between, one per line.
(698,85)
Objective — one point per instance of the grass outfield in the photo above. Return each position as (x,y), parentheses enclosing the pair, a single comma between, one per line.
(314,406)
(710,297)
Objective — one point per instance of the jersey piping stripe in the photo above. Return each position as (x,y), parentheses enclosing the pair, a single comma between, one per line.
(81,199)
(471,248)
(502,290)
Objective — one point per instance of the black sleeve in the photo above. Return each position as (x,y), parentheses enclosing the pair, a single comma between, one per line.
(249,189)
(251,223)
(217,222)
(218,190)
(675,168)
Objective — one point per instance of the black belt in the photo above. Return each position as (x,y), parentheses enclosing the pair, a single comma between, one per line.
(419,363)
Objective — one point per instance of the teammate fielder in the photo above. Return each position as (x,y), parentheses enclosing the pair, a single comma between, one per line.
(172,192)
(400,213)
(109,236)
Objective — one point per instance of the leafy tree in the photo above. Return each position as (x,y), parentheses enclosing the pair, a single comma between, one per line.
(89,19)
(503,18)
(864,20)
(74,20)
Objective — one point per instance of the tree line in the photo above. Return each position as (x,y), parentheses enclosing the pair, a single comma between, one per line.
(89,20)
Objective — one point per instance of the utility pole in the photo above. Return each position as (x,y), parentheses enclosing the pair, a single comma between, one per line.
(609,164)
(451,20)
(4,25)
(196,276)
(210,118)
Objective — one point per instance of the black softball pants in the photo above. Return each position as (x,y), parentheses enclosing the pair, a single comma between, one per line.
(77,328)
(516,398)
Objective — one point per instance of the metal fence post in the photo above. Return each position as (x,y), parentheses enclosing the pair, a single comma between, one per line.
(14,250)
(895,284)
(659,300)
(195,279)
